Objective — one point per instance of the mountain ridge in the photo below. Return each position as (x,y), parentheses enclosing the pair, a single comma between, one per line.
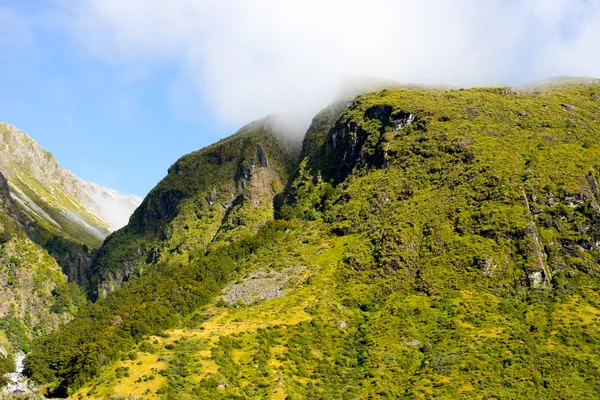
(212,195)
(37,181)
(35,297)
(427,243)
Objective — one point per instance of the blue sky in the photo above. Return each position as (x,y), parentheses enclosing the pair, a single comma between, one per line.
(105,126)
(120,89)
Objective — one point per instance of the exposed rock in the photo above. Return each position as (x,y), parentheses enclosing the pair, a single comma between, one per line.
(405,120)
(487,265)
(262,157)
(575,200)
(8,206)
(208,197)
(345,144)
(537,278)
(538,273)
(594,185)
(411,343)
(510,90)
(260,285)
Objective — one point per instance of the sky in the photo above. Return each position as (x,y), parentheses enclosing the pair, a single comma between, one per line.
(118,90)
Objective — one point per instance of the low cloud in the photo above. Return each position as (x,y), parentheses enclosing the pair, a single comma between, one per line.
(250,58)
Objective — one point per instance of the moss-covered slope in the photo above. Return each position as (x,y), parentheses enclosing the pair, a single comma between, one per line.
(441,244)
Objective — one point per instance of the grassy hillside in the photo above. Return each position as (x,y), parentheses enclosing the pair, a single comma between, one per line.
(433,244)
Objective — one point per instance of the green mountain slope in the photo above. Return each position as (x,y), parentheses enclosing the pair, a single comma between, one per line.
(35,297)
(431,244)
(66,215)
(209,198)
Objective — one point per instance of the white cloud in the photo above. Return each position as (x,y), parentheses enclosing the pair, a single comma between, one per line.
(255,57)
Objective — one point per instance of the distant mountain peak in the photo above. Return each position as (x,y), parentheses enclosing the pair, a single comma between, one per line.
(56,197)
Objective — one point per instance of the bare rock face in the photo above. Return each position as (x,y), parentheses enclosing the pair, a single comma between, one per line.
(351,146)
(538,274)
(75,263)
(7,204)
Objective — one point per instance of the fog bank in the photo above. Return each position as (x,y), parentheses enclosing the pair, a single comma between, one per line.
(247,59)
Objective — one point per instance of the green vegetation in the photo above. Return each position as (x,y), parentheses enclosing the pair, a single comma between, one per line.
(210,197)
(7,365)
(49,203)
(53,205)
(451,244)
(35,297)
(151,303)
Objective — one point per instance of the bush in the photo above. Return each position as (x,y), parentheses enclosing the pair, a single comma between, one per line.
(147,348)
(122,372)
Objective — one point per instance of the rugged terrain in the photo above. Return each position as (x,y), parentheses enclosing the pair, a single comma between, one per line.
(439,243)
(209,198)
(51,222)
(35,297)
(65,214)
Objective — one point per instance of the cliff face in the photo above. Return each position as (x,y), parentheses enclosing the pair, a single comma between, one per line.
(10,217)
(209,198)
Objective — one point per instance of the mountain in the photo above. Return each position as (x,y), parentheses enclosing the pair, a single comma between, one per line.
(209,197)
(559,81)
(428,243)
(56,198)
(35,297)
(65,214)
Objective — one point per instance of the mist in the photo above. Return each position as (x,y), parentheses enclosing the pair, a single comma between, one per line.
(247,59)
